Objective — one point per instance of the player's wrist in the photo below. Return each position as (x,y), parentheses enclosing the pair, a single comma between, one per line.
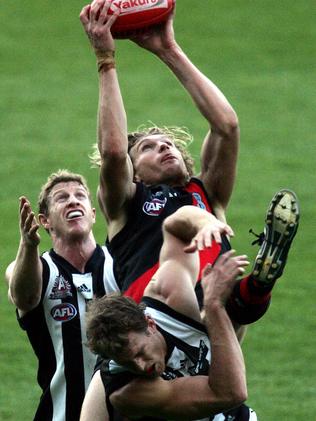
(105,60)
(172,52)
(213,306)
(28,244)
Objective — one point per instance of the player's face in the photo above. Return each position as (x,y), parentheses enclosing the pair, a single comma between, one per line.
(145,354)
(157,160)
(70,211)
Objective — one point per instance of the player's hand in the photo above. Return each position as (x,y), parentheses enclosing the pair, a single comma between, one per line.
(209,232)
(157,38)
(28,224)
(219,280)
(97,23)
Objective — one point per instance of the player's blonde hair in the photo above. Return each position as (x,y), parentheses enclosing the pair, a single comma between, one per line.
(178,135)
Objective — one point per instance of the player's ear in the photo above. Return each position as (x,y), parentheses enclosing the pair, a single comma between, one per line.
(43,219)
(151,323)
(94,215)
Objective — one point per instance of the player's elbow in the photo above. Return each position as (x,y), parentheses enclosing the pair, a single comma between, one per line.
(112,154)
(23,302)
(119,402)
(239,396)
(180,225)
(233,397)
(229,126)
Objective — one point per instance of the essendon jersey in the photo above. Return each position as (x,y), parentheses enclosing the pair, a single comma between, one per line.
(135,249)
(56,330)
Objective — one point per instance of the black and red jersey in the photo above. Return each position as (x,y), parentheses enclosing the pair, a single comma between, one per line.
(135,249)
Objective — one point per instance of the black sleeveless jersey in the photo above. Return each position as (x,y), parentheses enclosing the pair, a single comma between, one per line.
(135,249)
(56,330)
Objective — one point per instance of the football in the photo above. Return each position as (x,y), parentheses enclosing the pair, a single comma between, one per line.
(139,14)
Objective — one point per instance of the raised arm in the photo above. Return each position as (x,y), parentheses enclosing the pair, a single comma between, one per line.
(24,275)
(116,173)
(220,148)
(228,375)
(198,396)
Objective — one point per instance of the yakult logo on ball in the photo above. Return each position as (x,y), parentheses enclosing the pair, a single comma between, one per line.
(132,6)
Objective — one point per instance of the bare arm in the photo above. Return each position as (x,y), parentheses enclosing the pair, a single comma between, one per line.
(94,406)
(220,148)
(184,398)
(24,275)
(228,374)
(196,227)
(116,174)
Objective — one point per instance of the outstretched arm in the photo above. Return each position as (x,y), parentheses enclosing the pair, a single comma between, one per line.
(220,148)
(116,174)
(24,275)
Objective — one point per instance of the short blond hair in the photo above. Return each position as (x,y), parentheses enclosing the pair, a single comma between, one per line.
(180,136)
(61,176)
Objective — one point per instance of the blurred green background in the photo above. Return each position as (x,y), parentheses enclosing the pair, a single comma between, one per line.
(262,55)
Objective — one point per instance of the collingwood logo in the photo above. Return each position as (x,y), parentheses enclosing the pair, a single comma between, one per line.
(61,289)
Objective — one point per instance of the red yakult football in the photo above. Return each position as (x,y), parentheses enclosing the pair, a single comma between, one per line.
(138,14)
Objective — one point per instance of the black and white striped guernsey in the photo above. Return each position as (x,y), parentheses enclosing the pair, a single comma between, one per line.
(56,330)
(188,345)
(188,354)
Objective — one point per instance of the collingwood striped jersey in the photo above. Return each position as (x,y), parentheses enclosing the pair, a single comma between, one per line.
(56,330)
(188,354)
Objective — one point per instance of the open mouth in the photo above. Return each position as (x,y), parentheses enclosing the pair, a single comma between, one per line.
(77,213)
(151,370)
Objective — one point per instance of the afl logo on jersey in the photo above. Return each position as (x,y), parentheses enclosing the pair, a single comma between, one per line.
(154,207)
(63,312)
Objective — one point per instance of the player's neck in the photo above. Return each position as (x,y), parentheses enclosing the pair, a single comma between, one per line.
(76,252)
(175,182)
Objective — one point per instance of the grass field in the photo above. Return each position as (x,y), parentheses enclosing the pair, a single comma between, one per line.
(261,54)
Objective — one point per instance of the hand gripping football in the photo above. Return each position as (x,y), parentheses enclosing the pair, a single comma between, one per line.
(139,14)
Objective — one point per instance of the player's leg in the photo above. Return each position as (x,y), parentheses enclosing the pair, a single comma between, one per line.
(252,295)
(185,232)
(174,281)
